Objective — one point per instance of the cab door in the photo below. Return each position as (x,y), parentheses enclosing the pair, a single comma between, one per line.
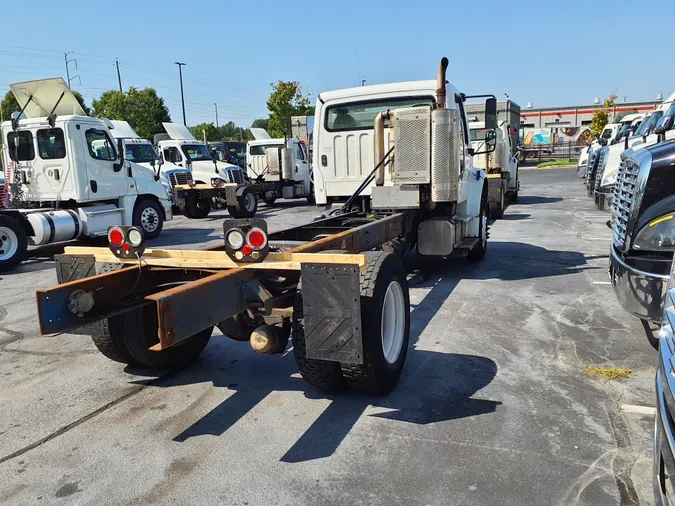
(301,160)
(107,178)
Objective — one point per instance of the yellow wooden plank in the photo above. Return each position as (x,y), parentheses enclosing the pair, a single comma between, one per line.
(202,186)
(200,259)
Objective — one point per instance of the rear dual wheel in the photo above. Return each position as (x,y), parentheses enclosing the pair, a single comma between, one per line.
(13,243)
(196,208)
(385,327)
(247,204)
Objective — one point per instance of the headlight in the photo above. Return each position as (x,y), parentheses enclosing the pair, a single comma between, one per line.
(658,235)
(610,179)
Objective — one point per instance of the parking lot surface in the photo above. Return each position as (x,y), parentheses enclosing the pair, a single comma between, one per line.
(492,408)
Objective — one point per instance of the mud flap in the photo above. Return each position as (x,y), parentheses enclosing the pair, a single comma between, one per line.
(332,310)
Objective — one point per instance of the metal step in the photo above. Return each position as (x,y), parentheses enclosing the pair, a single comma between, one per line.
(467,243)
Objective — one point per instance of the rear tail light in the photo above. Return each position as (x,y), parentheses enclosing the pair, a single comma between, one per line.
(126,242)
(246,239)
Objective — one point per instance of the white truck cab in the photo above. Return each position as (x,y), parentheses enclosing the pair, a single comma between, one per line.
(343,133)
(142,152)
(183,150)
(261,168)
(67,176)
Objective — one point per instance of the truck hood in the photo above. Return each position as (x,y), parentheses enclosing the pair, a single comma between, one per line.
(139,171)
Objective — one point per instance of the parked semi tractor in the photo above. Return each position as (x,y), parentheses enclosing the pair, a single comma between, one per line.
(501,165)
(281,169)
(644,229)
(142,152)
(611,134)
(336,286)
(65,176)
(653,129)
(233,152)
(218,184)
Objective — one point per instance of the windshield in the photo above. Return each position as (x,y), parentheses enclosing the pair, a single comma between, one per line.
(261,148)
(606,133)
(140,153)
(648,124)
(197,152)
(361,115)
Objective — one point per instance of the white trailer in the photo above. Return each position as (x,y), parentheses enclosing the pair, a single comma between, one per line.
(65,176)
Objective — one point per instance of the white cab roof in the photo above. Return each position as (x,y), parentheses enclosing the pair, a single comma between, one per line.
(178,132)
(123,130)
(45,95)
(409,88)
(260,134)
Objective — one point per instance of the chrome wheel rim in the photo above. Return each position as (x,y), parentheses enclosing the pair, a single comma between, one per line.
(9,243)
(149,219)
(393,322)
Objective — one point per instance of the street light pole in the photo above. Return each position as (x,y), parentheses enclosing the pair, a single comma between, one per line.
(216,114)
(182,97)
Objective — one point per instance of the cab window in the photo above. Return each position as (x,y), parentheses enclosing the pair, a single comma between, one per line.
(100,146)
(606,133)
(24,151)
(459,105)
(51,144)
(172,155)
(299,153)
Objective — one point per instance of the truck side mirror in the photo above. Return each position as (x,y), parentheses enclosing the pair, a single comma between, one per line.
(491,113)
(491,140)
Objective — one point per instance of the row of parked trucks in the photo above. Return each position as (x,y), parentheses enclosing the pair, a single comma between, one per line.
(630,174)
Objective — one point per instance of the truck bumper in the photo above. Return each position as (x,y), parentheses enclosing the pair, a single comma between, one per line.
(603,198)
(663,462)
(640,293)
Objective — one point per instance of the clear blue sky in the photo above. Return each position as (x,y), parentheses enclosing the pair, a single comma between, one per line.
(550,53)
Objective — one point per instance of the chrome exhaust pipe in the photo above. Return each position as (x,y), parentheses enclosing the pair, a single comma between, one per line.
(440,83)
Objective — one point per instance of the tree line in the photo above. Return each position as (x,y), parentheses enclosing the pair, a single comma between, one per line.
(146,111)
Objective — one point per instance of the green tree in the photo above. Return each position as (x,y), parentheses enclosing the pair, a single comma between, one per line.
(143,109)
(263,123)
(212,133)
(601,116)
(287,99)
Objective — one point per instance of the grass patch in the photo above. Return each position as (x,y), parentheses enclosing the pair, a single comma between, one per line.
(609,373)
(556,163)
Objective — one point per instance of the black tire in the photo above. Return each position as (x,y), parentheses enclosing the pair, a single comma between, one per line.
(112,346)
(240,326)
(149,216)
(137,329)
(322,374)
(378,376)
(479,250)
(311,198)
(497,208)
(196,208)
(247,204)
(269,198)
(12,235)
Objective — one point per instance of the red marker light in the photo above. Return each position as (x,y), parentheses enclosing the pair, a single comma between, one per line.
(116,237)
(256,238)
(126,247)
(246,250)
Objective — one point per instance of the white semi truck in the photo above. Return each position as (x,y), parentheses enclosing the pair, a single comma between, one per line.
(142,152)
(501,166)
(424,124)
(610,135)
(262,166)
(65,176)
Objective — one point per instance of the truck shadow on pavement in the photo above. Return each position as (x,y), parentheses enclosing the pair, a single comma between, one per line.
(529,200)
(435,387)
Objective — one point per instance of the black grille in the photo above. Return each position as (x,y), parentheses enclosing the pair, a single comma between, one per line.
(624,188)
(180,178)
(2,190)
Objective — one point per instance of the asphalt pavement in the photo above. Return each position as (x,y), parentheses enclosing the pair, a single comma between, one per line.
(492,408)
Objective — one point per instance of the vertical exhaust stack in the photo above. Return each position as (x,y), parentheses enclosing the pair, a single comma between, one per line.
(379,144)
(440,83)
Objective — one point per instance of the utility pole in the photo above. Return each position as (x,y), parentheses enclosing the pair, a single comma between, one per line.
(119,77)
(182,98)
(216,114)
(65,58)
